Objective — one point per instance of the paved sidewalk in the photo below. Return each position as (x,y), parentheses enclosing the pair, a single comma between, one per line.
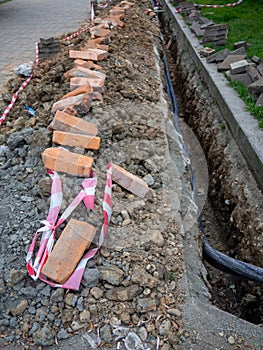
(24,22)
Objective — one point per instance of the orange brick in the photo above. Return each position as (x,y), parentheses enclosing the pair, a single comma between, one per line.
(101,40)
(80,90)
(60,159)
(66,122)
(68,250)
(99,31)
(76,140)
(97,84)
(90,54)
(129,181)
(79,100)
(82,72)
(96,46)
(86,64)
(115,20)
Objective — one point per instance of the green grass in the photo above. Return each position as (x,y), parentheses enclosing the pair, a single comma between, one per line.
(245,23)
(4,1)
(249,101)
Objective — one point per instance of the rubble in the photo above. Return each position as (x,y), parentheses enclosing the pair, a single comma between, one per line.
(111,293)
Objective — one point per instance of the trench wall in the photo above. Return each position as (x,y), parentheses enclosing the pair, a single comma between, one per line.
(233,187)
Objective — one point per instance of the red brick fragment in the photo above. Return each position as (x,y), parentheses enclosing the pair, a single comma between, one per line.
(60,159)
(114,20)
(97,84)
(99,31)
(95,46)
(129,181)
(86,64)
(101,40)
(66,122)
(90,54)
(82,72)
(68,250)
(83,100)
(81,90)
(76,140)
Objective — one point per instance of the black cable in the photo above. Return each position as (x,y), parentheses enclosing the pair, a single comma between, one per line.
(217,259)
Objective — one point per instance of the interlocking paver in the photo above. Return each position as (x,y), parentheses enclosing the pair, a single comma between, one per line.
(24,22)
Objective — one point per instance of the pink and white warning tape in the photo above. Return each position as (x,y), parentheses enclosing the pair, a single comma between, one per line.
(87,195)
(77,33)
(178,9)
(219,6)
(26,82)
(105,5)
(15,96)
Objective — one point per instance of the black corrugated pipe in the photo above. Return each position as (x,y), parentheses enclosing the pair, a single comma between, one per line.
(217,259)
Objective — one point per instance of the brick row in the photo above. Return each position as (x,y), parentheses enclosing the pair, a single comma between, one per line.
(86,85)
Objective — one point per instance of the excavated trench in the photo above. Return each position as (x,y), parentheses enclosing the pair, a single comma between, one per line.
(231,213)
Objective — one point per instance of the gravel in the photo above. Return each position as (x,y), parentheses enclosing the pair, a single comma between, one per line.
(129,281)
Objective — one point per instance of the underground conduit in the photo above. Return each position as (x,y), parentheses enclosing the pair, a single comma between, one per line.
(232,266)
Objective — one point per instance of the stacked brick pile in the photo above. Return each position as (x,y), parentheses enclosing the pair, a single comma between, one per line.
(86,85)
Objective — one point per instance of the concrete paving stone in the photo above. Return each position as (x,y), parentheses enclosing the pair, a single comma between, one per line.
(243,78)
(239,67)
(225,65)
(196,28)
(24,22)
(240,44)
(259,102)
(256,59)
(256,88)
(260,69)
(253,73)
(218,56)
(240,51)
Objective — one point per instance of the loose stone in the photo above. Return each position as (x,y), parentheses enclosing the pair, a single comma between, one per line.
(84,316)
(19,308)
(112,274)
(231,340)
(44,336)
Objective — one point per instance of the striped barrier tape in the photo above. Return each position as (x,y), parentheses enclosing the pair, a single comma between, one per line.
(15,96)
(220,6)
(92,15)
(77,33)
(26,82)
(105,5)
(178,9)
(87,195)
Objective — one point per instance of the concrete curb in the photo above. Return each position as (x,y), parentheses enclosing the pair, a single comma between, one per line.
(243,126)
